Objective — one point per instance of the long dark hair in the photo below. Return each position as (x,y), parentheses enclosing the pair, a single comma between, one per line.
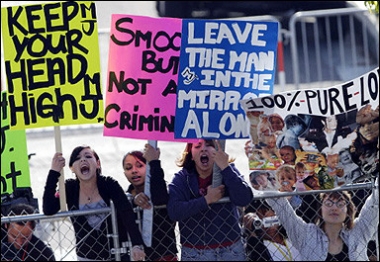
(76,151)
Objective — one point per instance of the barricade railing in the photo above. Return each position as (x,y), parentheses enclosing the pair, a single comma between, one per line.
(344,43)
(59,233)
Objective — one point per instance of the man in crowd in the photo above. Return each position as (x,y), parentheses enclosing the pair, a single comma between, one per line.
(18,241)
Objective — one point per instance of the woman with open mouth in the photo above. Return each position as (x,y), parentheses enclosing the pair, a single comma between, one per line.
(210,228)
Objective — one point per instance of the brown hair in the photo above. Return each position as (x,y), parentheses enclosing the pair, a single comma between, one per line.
(186,159)
(275,115)
(339,195)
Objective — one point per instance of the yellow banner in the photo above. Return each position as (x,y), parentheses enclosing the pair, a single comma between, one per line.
(52,64)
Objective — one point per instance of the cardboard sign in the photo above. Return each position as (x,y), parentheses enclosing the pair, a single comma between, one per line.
(142,77)
(327,137)
(52,64)
(222,62)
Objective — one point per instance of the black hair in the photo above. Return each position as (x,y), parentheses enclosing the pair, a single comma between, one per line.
(23,209)
(137,154)
(76,151)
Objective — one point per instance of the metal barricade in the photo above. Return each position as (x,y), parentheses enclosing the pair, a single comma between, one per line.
(57,231)
(60,235)
(331,46)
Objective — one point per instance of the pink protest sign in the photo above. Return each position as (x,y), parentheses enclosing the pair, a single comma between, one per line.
(142,77)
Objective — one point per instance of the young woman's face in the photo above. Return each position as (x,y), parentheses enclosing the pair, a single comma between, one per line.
(202,152)
(85,165)
(370,131)
(134,170)
(334,211)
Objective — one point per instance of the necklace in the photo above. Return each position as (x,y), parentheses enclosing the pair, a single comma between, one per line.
(288,256)
(90,197)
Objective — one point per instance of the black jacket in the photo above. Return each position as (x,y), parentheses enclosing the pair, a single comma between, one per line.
(36,250)
(163,236)
(96,243)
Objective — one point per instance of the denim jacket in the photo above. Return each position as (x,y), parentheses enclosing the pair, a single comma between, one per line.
(312,241)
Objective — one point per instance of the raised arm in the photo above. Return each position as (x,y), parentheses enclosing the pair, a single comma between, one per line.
(50,202)
(158,189)
(294,225)
(368,220)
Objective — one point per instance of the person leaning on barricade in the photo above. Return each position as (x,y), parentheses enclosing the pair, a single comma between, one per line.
(337,234)
(209,231)
(19,242)
(88,191)
(135,163)
(266,238)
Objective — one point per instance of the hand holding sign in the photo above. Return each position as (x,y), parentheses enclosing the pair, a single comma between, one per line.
(217,176)
(147,226)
